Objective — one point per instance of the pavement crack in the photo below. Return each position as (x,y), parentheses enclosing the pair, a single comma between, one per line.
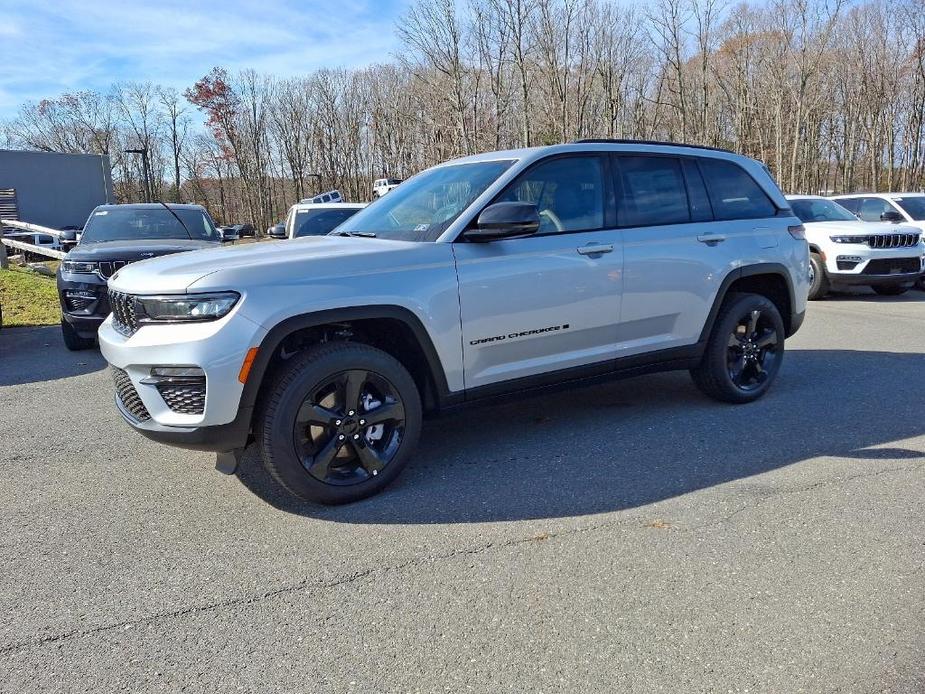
(634,521)
(838,481)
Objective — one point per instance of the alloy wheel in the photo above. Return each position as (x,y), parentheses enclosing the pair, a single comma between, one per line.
(754,350)
(349,427)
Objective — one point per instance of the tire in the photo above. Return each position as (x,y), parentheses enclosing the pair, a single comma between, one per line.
(298,453)
(749,335)
(890,289)
(72,340)
(820,279)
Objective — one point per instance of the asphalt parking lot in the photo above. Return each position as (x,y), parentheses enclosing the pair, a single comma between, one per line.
(633,536)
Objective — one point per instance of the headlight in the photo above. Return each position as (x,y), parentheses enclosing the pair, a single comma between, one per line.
(194,307)
(78,267)
(849,239)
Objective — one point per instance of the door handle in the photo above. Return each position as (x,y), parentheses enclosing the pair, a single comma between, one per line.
(711,239)
(595,248)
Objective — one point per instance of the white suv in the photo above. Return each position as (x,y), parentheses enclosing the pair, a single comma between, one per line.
(492,274)
(845,251)
(381,186)
(896,208)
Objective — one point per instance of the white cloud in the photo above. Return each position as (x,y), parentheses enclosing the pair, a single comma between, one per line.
(67,45)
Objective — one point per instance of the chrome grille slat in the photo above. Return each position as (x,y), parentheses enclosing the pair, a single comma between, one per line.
(892,240)
(128,396)
(124,314)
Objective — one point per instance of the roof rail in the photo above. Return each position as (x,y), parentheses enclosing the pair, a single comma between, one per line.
(660,143)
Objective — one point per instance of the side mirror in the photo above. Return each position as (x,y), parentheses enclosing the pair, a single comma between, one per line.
(276,233)
(891,216)
(505,220)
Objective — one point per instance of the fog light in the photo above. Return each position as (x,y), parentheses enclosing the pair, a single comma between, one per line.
(174,371)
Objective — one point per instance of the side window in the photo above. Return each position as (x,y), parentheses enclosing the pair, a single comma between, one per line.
(696,192)
(568,192)
(853,205)
(871,209)
(651,192)
(734,194)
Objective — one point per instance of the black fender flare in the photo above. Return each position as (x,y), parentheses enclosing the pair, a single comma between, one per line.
(268,346)
(749,271)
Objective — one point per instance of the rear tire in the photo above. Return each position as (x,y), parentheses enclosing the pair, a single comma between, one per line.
(819,286)
(72,340)
(315,426)
(744,351)
(890,289)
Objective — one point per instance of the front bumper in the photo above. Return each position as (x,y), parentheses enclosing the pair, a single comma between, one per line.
(216,347)
(858,264)
(84,302)
(874,280)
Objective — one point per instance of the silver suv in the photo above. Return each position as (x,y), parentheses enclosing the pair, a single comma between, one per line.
(488,275)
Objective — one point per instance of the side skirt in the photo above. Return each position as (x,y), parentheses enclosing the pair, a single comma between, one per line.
(676,358)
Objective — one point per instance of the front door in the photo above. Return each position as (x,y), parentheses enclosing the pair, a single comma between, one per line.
(548,302)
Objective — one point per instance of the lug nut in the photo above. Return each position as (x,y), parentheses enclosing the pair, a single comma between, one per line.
(341,437)
(337,422)
(362,422)
(356,436)
(351,413)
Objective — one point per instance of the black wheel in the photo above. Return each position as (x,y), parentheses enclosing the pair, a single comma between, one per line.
(818,279)
(72,340)
(339,422)
(744,351)
(890,289)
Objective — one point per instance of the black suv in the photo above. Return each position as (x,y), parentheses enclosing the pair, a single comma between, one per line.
(114,236)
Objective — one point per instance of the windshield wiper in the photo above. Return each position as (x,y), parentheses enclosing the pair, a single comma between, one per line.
(361,234)
(178,219)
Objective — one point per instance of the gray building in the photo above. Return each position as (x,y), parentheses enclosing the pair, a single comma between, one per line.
(51,189)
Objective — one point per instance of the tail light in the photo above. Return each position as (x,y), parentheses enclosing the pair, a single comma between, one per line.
(798,232)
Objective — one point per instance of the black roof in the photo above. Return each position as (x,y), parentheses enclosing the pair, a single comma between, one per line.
(660,143)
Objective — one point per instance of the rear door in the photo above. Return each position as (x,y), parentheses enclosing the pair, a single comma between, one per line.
(548,302)
(687,222)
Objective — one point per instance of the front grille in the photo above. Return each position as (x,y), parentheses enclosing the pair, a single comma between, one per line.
(124,312)
(185,398)
(892,266)
(107,268)
(128,396)
(892,240)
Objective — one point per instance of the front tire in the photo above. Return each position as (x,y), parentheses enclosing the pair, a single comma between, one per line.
(72,340)
(890,289)
(339,423)
(819,280)
(744,351)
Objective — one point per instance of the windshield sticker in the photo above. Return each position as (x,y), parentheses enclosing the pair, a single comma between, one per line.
(422,227)
(100,213)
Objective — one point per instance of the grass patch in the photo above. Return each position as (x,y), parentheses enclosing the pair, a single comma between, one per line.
(28,298)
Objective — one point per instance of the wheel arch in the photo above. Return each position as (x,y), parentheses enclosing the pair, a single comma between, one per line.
(768,279)
(425,365)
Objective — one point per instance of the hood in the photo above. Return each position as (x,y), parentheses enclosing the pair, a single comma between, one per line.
(134,250)
(270,262)
(859,228)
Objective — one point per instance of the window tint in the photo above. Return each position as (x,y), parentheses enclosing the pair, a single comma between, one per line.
(696,192)
(568,192)
(853,205)
(914,207)
(872,208)
(320,222)
(734,194)
(651,192)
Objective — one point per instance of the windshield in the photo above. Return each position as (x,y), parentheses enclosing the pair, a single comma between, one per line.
(818,210)
(130,224)
(422,208)
(914,207)
(320,222)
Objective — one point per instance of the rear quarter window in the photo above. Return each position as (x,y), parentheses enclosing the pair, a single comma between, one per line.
(734,194)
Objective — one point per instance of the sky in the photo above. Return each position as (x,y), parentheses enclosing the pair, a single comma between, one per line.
(49,48)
